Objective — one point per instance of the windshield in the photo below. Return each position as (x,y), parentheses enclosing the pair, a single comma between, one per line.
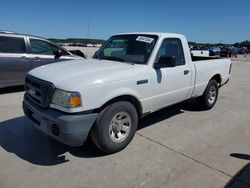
(131,48)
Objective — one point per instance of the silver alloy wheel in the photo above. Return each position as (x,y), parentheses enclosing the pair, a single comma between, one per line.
(120,126)
(212,94)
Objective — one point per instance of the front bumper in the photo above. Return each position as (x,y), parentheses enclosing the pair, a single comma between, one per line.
(70,129)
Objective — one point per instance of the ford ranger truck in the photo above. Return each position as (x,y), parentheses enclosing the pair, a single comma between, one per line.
(131,75)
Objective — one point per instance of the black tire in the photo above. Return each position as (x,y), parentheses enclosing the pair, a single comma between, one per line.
(107,139)
(205,100)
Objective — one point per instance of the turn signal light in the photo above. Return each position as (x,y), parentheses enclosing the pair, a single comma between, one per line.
(74,101)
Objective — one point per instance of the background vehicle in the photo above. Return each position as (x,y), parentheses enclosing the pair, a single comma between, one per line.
(243,50)
(226,52)
(200,52)
(133,75)
(20,53)
(214,51)
(78,53)
(235,50)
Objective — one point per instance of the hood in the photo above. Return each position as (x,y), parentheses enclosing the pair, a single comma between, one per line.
(68,75)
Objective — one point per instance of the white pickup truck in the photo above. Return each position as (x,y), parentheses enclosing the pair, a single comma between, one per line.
(131,75)
(201,53)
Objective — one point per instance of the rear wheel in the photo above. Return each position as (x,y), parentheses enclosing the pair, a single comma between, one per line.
(210,95)
(115,127)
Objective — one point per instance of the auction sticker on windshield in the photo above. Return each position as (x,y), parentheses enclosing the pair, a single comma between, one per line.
(144,39)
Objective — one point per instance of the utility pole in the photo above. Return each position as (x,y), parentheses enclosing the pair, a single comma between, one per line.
(88,26)
(221,39)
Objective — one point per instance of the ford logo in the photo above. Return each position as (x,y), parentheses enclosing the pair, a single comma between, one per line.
(31,91)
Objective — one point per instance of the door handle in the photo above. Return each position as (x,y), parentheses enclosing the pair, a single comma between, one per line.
(24,58)
(186,72)
(36,59)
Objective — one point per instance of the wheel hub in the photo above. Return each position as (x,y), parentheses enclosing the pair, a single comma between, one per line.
(117,126)
(120,126)
(212,95)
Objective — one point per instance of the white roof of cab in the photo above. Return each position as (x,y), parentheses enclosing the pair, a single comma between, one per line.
(160,34)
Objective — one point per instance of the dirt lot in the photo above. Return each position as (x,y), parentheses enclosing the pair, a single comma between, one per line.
(180,146)
(241,58)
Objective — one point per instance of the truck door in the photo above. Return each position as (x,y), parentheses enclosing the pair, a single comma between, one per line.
(14,62)
(171,84)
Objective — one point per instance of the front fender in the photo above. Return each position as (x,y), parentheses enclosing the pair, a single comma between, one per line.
(121,92)
(97,96)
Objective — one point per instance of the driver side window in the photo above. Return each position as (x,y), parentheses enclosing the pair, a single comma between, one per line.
(172,47)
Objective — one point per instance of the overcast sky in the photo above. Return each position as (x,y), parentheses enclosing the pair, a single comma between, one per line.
(201,21)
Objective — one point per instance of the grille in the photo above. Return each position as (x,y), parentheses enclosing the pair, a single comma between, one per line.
(39,91)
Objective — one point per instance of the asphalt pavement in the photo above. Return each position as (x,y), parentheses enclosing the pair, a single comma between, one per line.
(179,146)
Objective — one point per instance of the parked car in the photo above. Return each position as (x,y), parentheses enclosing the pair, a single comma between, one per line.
(243,50)
(78,53)
(20,53)
(105,97)
(226,52)
(235,51)
(214,51)
(199,52)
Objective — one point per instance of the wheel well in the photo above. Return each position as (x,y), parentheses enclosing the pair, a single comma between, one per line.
(133,100)
(217,78)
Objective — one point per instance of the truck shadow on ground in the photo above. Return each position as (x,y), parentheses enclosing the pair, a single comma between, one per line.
(242,178)
(26,142)
(17,137)
(189,105)
(13,89)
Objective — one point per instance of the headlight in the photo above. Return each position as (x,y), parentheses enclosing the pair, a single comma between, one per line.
(66,99)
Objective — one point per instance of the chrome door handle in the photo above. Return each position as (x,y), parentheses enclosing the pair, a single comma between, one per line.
(24,58)
(36,59)
(186,72)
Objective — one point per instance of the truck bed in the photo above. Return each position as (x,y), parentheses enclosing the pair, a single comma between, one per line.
(206,68)
(201,58)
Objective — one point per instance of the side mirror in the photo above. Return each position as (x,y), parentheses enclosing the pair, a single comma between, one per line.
(165,61)
(58,54)
(95,55)
(78,53)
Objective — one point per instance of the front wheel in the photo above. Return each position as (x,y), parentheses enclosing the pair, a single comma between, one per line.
(115,127)
(210,95)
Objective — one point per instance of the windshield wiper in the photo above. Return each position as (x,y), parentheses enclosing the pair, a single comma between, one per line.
(124,60)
